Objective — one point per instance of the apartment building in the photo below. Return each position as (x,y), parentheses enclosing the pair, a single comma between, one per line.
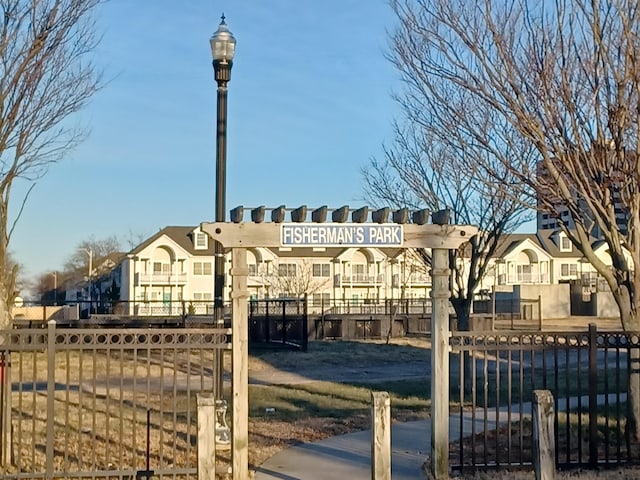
(173,270)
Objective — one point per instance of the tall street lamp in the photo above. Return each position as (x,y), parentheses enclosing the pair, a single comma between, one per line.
(89,251)
(223,46)
(55,287)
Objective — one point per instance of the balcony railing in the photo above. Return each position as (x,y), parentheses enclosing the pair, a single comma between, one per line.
(413,279)
(523,278)
(360,306)
(162,278)
(362,279)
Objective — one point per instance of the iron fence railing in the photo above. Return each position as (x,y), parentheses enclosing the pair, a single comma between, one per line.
(587,373)
(202,309)
(278,322)
(98,403)
(359,306)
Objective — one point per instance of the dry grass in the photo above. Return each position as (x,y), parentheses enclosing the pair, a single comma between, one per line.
(92,434)
(270,435)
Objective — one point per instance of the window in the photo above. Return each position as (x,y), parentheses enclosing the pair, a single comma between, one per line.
(253,269)
(202,268)
(160,268)
(565,244)
(201,241)
(358,269)
(198,296)
(287,269)
(524,273)
(321,270)
(321,299)
(568,269)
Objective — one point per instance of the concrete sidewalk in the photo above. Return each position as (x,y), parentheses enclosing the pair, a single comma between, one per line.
(349,456)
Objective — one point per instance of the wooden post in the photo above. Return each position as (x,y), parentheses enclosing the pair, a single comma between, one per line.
(544,448)
(440,237)
(240,364)
(206,403)
(380,436)
(440,364)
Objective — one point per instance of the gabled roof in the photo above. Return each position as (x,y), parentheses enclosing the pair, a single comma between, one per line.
(183,236)
(512,241)
(550,246)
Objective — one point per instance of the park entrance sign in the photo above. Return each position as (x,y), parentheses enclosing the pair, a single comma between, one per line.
(340,235)
(238,236)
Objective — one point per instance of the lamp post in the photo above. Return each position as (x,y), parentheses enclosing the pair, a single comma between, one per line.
(223,46)
(55,288)
(89,252)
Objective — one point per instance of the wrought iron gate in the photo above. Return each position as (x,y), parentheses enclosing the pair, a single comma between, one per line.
(96,403)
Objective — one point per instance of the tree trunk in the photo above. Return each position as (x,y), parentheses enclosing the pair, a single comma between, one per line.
(630,320)
(633,413)
(462,307)
(6,439)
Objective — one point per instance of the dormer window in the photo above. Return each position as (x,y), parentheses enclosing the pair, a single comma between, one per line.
(565,243)
(200,240)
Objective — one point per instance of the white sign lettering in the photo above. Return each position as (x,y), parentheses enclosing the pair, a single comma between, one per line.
(341,234)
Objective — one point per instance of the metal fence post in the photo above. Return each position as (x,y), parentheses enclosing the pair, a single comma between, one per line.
(6,429)
(51,391)
(540,312)
(305,324)
(593,395)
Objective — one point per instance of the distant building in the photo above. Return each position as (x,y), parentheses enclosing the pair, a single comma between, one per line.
(611,182)
(171,273)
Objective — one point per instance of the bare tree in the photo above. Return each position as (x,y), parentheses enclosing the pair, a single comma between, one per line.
(45,77)
(434,166)
(565,75)
(91,250)
(296,279)
(46,286)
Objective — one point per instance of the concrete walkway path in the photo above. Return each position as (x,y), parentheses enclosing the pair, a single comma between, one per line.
(349,456)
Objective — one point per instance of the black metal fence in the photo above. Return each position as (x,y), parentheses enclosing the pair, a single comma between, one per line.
(278,322)
(365,306)
(588,374)
(97,403)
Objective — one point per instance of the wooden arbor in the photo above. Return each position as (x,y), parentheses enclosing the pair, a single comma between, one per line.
(440,238)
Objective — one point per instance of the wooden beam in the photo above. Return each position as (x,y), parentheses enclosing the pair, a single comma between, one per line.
(269,234)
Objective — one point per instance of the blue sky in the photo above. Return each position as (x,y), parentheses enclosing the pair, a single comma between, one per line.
(309,104)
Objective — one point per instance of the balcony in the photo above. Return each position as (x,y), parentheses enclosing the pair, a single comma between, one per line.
(161,278)
(362,279)
(413,279)
(523,279)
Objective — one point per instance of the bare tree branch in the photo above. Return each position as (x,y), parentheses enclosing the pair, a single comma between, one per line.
(563,77)
(45,76)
